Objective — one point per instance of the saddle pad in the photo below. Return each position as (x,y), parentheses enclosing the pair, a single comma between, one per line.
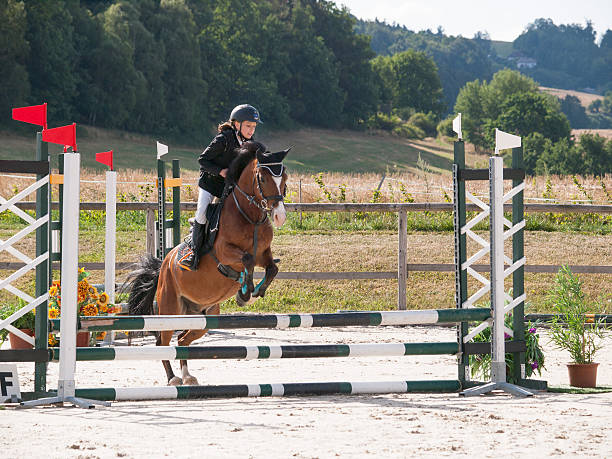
(183,251)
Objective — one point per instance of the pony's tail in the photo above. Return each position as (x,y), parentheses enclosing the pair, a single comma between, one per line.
(141,285)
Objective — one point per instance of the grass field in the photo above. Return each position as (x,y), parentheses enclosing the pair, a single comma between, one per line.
(585,98)
(314,150)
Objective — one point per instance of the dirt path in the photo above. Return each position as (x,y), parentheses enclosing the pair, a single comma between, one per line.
(407,425)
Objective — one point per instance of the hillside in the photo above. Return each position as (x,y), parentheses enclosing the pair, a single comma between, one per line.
(503,49)
(314,150)
(586,98)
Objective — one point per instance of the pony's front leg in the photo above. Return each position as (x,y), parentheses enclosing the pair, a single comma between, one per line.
(271,272)
(232,254)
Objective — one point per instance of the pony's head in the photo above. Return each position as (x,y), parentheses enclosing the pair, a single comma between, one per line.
(268,177)
(272,183)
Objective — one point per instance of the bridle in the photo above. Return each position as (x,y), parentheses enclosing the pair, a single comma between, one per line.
(263,202)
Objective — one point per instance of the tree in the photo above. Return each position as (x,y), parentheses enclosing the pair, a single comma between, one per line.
(565,54)
(510,102)
(524,113)
(596,154)
(575,112)
(52,61)
(559,158)
(352,53)
(174,27)
(504,84)
(458,59)
(15,49)
(473,115)
(411,81)
(113,84)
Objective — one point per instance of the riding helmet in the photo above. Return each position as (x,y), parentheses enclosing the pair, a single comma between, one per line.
(245,112)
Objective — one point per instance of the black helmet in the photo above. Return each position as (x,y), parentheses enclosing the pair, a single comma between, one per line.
(245,112)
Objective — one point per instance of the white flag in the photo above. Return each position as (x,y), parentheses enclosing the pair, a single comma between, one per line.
(161,150)
(457,126)
(503,140)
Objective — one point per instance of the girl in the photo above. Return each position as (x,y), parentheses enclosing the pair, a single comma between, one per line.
(214,162)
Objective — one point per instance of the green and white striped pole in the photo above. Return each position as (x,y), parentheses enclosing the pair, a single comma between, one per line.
(269,390)
(235,321)
(285,351)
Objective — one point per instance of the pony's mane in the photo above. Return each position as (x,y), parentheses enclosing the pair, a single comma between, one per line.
(246,154)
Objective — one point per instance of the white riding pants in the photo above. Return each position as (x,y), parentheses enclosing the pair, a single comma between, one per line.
(204,198)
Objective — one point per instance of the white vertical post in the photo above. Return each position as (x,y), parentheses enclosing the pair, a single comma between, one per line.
(111,235)
(69,278)
(496,187)
(402,267)
(111,243)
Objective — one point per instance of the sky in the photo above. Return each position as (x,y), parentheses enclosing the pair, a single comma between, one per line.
(501,20)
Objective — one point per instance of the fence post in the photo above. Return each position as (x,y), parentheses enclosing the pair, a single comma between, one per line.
(42,270)
(151,234)
(402,265)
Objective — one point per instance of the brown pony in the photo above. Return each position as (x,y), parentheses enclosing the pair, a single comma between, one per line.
(255,187)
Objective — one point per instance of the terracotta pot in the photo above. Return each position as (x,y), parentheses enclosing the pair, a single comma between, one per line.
(82,339)
(18,343)
(582,374)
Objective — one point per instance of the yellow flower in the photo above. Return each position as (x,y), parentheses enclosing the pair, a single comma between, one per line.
(102,307)
(92,291)
(53,290)
(52,339)
(56,283)
(100,335)
(82,290)
(53,313)
(89,310)
(103,298)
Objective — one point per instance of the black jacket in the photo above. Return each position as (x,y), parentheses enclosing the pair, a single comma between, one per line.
(217,156)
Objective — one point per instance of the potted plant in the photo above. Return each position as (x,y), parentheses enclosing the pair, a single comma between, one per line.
(480,364)
(573,329)
(89,303)
(26,323)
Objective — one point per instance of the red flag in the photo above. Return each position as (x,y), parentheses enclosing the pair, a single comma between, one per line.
(63,135)
(106,157)
(34,114)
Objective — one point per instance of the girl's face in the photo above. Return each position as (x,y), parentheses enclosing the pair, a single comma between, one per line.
(247,129)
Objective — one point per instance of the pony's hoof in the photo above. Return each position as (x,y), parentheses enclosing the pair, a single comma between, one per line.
(190,381)
(242,300)
(176,381)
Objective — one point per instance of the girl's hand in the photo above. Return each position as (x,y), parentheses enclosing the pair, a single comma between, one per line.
(223,172)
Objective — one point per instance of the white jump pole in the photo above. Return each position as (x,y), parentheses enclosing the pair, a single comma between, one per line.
(496,183)
(111,242)
(496,221)
(69,275)
(69,279)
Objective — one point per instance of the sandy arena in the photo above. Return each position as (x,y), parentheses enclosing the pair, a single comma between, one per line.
(406,425)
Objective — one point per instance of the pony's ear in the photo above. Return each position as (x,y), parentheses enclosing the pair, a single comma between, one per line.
(266,157)
(284,152)
(261,156)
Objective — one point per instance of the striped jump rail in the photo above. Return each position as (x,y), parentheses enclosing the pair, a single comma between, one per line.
(267,390)
(260,352)
(236,321)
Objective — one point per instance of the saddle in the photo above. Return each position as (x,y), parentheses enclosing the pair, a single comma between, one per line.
(213,215)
